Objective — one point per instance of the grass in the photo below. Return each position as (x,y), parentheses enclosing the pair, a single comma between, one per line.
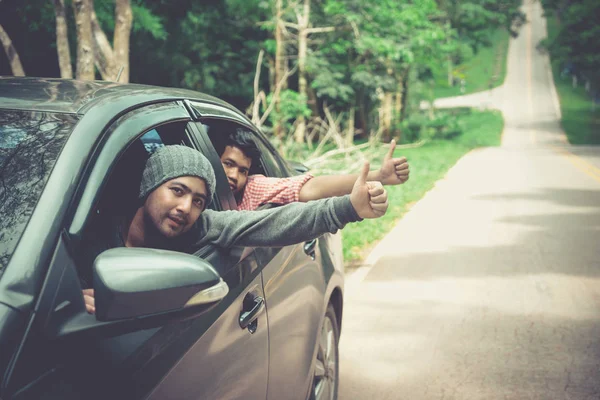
(479,71)
(580,123)
(428,164)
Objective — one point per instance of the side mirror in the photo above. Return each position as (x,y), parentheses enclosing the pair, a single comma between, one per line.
(298,167)
(139,282)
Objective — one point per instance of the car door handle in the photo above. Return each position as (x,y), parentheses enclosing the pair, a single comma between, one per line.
(309,248)
(248,317)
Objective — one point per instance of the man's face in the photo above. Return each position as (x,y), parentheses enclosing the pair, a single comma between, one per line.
(236,165)
(175,205)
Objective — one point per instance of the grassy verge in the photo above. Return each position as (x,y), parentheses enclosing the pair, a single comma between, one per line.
(487,66)
(428,164)
(580,123)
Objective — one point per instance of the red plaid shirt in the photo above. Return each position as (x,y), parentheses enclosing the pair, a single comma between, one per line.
(261,190)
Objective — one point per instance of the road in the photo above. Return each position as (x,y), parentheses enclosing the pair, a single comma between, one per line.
(489,288)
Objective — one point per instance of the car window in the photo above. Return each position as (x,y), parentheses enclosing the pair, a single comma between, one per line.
(219,129)
(29,146)
(119,198)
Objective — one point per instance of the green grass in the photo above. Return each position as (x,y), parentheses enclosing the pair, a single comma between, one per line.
(479,70)
(580,123)
(428,164)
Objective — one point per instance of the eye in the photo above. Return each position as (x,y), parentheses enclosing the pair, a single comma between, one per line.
(227,163)
(177,190)
(244,171)
(199,203)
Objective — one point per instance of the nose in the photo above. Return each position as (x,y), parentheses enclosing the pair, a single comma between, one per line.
(232,175)
(184,205)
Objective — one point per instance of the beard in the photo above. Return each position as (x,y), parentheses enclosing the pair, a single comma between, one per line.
(157,237)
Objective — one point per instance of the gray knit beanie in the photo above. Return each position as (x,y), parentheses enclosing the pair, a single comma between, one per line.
(170,162)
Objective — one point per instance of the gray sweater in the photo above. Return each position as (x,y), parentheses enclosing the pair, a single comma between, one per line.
(281,226)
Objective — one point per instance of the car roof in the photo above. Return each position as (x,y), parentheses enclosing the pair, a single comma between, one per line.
(75,96)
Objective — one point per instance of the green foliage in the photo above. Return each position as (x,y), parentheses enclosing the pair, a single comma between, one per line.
(580,121)
(329,83)
(420,126)
(291,106)
(482,71)
(145,20)
(376,47)
(576,43)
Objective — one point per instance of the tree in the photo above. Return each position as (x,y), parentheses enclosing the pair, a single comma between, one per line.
(11,53)
(85,52)
(62,40)
(577,44)
(93,46)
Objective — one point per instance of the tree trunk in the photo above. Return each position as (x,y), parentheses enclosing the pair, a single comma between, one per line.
(62,40)
(279,62)
(85,51)
(398,102)
(450,77)
(302,50)
(123,21)
(350,127)
(11,53)
(385,113)
(362,113)
(104,57)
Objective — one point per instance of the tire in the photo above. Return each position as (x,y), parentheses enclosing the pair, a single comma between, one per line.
(325,380)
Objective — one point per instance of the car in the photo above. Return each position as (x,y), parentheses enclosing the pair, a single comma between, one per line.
(213,323)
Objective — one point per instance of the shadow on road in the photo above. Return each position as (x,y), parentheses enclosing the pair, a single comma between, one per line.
(487,355)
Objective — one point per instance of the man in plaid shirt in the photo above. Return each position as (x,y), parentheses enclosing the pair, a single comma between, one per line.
(255,190)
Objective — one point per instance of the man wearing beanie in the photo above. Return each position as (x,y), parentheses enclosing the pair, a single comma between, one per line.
(178,183)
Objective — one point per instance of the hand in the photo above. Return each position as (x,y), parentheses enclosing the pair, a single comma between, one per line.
(394,171)
(88,297)
(369,199)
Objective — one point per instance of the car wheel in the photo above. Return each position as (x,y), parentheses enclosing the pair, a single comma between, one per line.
(325,379)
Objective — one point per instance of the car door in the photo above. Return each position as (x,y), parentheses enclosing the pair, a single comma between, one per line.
(294,279)
(295,286)
(209,355)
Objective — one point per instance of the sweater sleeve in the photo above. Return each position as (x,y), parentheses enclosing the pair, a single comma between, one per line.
(281,226)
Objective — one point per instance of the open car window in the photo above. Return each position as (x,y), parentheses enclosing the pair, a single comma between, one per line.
(119,198)
(219,129)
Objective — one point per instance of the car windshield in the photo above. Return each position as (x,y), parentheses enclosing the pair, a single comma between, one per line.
(29,145)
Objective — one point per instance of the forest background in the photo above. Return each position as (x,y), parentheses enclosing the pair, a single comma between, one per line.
(326,80)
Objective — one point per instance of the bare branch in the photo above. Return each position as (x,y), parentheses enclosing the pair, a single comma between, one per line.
(104,57)
(11,53)
(319,30)
(289,25)
(355,29)
(256,81)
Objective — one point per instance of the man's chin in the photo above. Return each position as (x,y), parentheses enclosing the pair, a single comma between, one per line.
(170,232)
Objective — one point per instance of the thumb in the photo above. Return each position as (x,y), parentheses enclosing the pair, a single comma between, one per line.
(390,152)
(362,177)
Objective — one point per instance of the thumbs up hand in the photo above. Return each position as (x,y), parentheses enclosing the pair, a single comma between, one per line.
(369,199)
(394,171)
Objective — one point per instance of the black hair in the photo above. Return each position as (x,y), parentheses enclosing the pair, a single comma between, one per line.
(244,140)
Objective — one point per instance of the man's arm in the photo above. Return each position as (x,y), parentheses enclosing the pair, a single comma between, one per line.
(393,171)
(295,222)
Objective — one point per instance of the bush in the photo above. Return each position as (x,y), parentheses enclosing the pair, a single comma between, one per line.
(419,126)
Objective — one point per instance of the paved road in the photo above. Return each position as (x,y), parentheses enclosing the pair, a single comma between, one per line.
(489,288)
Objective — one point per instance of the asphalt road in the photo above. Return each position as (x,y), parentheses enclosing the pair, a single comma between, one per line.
(489,288)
